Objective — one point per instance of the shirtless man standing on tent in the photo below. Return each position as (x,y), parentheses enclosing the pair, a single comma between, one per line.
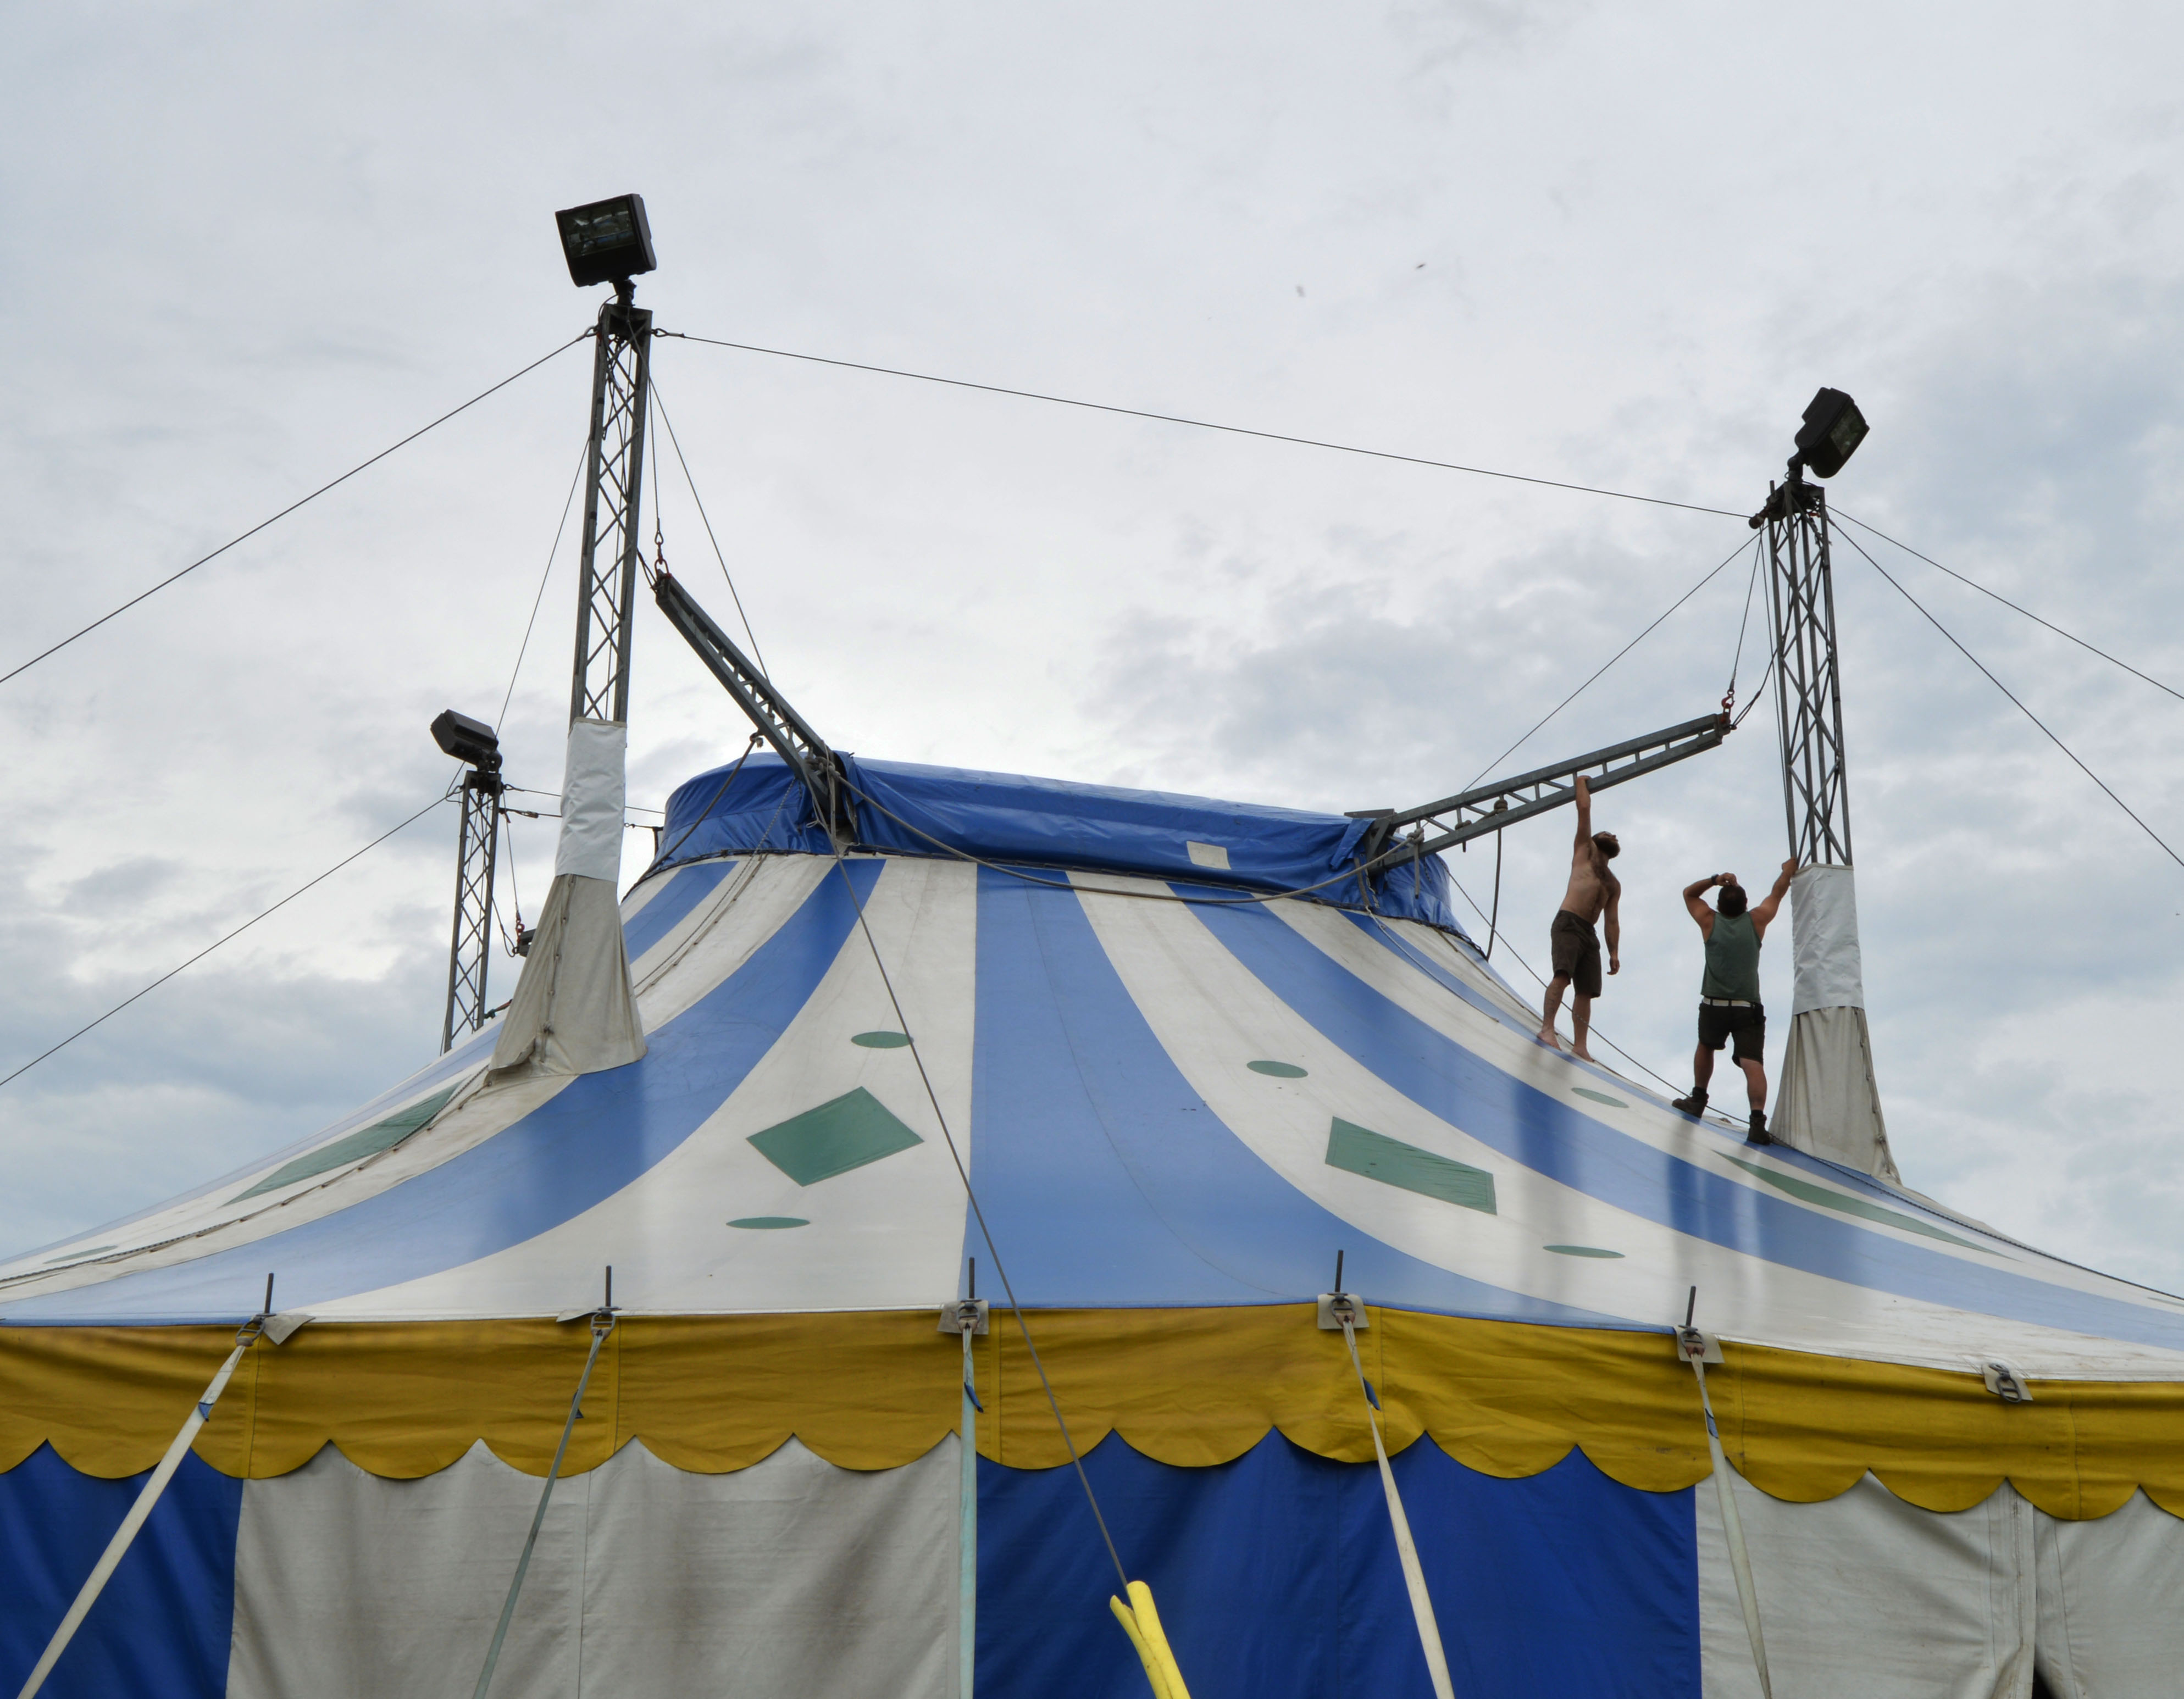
(1729,996)
(1592,888)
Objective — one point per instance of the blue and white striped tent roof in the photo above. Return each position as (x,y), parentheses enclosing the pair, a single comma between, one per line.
(1170,1087)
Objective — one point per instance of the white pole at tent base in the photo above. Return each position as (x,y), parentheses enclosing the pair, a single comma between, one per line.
(118,1547)
(1343,1309)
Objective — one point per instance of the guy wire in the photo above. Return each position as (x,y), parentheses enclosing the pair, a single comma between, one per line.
(985,1232)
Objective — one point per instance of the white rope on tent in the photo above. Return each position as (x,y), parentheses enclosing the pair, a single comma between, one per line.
(1407,1549)
(603,1324)
(1691,1344)
(277,1329)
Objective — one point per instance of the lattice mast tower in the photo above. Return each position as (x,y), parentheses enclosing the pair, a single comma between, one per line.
(1827,1102)
(575,1011)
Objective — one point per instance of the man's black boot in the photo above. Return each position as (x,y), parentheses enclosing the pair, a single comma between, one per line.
(1693,1105)
(1757,1133)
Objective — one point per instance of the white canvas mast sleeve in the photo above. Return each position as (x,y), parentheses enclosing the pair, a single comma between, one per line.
(593,795)
(1829,1105)
(574,1011)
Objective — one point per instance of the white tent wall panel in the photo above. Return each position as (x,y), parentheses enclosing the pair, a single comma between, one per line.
(349,1586)
(2109,1593)
(1863,1594)
(791,1576)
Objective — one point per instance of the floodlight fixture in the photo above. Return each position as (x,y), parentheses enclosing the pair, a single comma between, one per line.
(606,242)
(468,740)
(1833,429)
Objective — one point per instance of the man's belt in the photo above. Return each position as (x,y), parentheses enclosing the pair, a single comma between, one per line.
(1729,1003)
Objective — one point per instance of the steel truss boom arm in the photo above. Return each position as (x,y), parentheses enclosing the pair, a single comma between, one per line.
(1490,807)
(793,740)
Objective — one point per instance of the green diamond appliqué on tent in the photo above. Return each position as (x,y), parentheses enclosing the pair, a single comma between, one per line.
(846,1133)
(1360,1151)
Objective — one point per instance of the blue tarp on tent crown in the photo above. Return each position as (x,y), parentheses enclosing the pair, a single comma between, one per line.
(905,808)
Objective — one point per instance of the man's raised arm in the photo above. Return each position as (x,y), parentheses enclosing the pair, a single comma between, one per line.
(1584,813)
(1766,910)
(1699,911)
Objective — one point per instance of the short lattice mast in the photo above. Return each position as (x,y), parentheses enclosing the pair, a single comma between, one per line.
(1828,1103)
(470,952)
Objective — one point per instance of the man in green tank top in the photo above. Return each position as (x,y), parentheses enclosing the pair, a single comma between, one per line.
(1728,995)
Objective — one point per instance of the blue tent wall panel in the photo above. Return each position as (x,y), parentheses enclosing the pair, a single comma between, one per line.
(160,1630)
(1277,1579)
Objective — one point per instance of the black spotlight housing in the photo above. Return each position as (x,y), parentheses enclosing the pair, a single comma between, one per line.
(1833,429)
(467,740)
(606,242)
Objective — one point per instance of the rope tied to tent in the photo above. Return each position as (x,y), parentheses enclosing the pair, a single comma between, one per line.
(1343,1308)
(262,1325)
(1694,1347)
(603,1324)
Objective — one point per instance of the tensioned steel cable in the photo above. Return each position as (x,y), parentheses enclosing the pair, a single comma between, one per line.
(674,443)
(2021,708)
(583,459)
(1973,584)
(985,1232)
(1199,423)
(661,858)
(304,501)
(1611,661)
(1744,624)
(217,942)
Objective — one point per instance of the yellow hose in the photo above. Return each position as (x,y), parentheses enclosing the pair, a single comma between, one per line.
(1144,1652)
(1140,1620)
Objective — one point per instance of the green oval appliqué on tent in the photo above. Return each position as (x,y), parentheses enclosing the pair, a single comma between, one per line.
(1581,1249)
(1277,1070)
(1598,1097)
(771,1221)
(882,1041)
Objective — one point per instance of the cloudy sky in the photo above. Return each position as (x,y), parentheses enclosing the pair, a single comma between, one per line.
(244,246)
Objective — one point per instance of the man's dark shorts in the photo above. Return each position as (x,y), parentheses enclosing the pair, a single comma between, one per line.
(1577,954)
(1747,1025)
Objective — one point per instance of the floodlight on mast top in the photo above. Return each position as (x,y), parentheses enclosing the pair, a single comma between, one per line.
(606,242)
(1831,431)
(468,740)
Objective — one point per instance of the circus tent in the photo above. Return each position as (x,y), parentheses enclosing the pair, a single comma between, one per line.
(1178,1094)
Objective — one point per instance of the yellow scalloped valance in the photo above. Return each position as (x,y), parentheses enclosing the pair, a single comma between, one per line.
(871,1390)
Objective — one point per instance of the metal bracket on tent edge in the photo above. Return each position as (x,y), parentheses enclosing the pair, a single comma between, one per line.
(1337,1307)
(963,1315)
(1694,1346)
(2006,1382)
(281,1327)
